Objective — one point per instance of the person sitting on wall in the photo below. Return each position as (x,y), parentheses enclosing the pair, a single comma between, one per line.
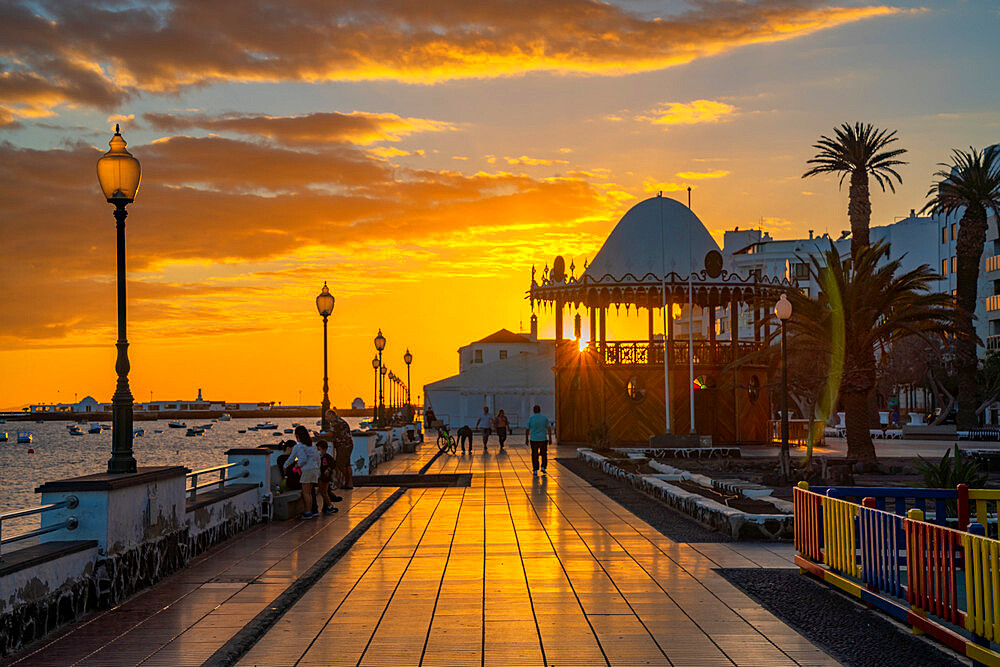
(291,476)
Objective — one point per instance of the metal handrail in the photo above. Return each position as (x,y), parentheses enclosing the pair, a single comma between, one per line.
(221,482)
(71,523)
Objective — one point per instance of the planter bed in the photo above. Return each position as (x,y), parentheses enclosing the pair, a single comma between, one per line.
(740,525)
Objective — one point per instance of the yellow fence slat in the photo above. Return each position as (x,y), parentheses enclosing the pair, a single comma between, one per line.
(840,549)
(982,585)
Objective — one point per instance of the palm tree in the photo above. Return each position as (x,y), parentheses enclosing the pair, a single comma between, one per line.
(864,307)
(858,151)
(970,184)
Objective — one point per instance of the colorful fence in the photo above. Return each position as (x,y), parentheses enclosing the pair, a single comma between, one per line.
(938,579)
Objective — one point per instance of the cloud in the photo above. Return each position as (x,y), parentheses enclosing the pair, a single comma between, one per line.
(524,160)
(101,54)
(702,175)
(212,208)
(652,185)
(689,113)
(332,127)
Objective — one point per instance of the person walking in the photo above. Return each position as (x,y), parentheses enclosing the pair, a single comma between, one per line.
(343,446)
(486,420)
(308,459)
(539,435)
(501,424)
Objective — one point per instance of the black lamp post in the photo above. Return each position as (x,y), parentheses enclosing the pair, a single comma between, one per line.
(375,365)
(380,345)
(783,309)
(392,395)
(381,394)
(119,174)
(408,358)
(324,304)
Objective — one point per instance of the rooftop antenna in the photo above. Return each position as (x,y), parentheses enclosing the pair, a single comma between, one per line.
(689,197)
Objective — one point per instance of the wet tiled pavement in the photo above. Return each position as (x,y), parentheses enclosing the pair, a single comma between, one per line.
(512,570)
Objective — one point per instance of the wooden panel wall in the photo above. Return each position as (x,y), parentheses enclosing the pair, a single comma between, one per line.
(589,392)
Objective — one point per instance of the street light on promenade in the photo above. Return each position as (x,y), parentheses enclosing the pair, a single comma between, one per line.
(381,394)
(408,358)
(375,365)
(380,406)
(783,309)
(324,304)
(118,174)
(392,394)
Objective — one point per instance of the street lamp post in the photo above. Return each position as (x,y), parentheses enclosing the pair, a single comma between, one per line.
(783,309)
(381,394)
(375,365)
(118,174)
(324,304)
(380,345)
(408,358)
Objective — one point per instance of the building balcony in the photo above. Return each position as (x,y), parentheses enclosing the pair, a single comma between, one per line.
(628,352)
(993,263)
(993,342)
(993,302)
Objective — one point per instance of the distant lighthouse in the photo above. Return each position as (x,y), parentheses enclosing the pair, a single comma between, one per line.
(199,394)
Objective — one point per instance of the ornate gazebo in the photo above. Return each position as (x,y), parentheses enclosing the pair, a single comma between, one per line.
(658,257)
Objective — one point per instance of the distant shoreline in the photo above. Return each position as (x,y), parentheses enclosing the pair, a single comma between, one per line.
(138,416)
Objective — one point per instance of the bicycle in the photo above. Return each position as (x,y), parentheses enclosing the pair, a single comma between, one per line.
(445,441)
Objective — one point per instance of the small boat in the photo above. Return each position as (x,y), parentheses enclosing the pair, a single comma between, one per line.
(288,430)
(177,425)
(95,428)
(75,430)
(252,428)
(4,436)
(205,427)
(267,426)
(138,432)
(225,418)
(195,431)
(243,430)
(158,431)
(25,437)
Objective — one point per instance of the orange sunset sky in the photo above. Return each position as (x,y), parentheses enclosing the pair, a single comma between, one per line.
(420,157)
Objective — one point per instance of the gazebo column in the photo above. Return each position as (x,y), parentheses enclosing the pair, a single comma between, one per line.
(668,350)
(593,325)
(650,357)
(734,324)
(604,328)
(559,319)
(756,323)
(711,325)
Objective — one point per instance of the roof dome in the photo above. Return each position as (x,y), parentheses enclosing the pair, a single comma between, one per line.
(658,236)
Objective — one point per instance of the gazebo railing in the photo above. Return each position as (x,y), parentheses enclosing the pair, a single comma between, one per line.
(631,352)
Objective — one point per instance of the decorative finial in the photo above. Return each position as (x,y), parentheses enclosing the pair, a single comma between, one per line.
(572,268)
(117,129)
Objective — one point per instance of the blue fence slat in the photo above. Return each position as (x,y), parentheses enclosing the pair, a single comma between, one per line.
(881,537)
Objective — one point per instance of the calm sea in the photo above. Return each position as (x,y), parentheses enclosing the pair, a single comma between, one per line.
(58,455)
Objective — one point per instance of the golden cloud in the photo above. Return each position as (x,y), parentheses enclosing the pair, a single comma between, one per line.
(702,175)
(524,160)
(689,113)
(316,128)
(97,54)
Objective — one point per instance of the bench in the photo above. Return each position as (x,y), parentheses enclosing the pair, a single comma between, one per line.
(285,505)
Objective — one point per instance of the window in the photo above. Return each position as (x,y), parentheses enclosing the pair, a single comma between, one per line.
(944,234)
(944,267)
(634,389)
(503,354)
(953,231)
(477,356)
(753,388)
(954,264)
(801,271)
(805,291)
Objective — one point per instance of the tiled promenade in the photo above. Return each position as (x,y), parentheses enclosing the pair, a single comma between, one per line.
(512,570)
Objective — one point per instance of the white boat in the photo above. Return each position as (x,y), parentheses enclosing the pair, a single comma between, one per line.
(195,431)
(288,430)
(205,427)
(75,430)
(177,425)
(225,418)
(25,437)
(267,426)
(95,428)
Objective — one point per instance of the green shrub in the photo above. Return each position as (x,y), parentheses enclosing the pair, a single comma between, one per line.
(599,437)
(951,471)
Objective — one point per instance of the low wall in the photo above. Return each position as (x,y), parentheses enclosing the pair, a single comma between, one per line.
(739,525)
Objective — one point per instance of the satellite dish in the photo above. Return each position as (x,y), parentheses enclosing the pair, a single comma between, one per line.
(713,263)
(558,272)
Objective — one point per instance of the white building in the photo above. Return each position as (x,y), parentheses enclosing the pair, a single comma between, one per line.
(358,404)
(505,370)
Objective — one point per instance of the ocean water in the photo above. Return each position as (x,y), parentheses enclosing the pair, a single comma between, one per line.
(58,455)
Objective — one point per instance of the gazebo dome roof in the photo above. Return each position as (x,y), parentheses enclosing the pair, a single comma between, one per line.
(657,236)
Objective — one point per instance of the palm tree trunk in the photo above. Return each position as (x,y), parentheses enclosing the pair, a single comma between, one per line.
(969,249)
(859,210)
(859,438)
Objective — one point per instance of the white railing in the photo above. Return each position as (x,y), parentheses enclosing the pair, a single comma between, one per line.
(69,524)
(192,490)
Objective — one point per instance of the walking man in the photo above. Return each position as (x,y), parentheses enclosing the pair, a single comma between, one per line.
(487,424)
(539,435)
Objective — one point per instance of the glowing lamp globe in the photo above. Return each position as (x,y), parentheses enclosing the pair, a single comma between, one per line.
(384,370)
(379,341)
(783,309)
(118,172)
(324,302)
(375,363)
(408,357)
